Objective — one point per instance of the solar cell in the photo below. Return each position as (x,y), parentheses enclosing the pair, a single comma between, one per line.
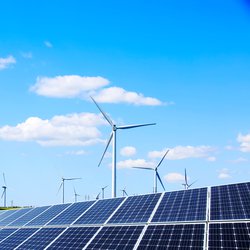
(100,212)
(41,238)
(185,205)
(135,209)
(6,232)
(229,236)
(48,215)
(16,238)
(186,236)
(74,238)
(71,214)
(116,237)
(28,216)
(230,202)
(14,216)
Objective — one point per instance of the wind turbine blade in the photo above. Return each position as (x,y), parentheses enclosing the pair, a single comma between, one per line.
(162,159)
(60,187)
(4,180)
(103,113)
(192,184)
(110,138)
(135,126)
(105,187)
(70,179)
(158,176)
(3,193)
(125,192)
(75,191)
(144,168)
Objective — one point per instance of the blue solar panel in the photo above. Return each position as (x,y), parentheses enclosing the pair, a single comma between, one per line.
(28,216)
(6,232)
(71,214)
(230,202)
(116,237)
(229,236)
(185,205)
(135,209)
(186,236)
(14,216)
(41,238)
(100,212)
(74,238)
(7,213)
(47,215)
(16,238)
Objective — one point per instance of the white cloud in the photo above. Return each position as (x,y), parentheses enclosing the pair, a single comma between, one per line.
(69,130)
(211,158)
(120,95)
(6,62)
(239,160)
(135,163)
(223,174)
(128,151)
(77,152)
(68,86)
(184,152)
(174,177)
(48,44)
(244,141)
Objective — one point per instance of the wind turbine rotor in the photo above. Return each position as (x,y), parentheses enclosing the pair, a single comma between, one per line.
(159,178)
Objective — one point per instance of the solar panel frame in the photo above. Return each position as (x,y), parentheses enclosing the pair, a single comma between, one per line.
(73,238)
(181,206)
(175,236)
(116,237)
(229,236)
(100,212)
(69,215)
(48,215)
(13,240)
(133,209)
(230,202)
(28,216)
(41,238)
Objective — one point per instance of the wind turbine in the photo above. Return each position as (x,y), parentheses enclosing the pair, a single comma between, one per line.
(113,136)
(76,194)
(156,174)
(124,192)
(4,190)
(186,185)
(98,196)
(62,185)
(103,188)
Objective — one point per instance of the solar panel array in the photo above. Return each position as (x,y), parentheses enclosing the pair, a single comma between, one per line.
(204,218)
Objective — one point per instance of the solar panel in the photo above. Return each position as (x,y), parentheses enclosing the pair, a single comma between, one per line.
(47,215)
(16,238)
(230,202)
(71,214)
(100,212)
(185,205)
(135,209)
(28,216)
(74,238)
(6,232)
(14,216)
(7,213)
(186,236)
(41,238)
(229,236)
(116,237)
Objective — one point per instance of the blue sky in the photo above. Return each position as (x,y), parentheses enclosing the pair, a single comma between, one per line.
(184,65)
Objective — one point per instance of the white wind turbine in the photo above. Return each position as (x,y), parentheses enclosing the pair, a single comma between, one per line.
(76,195)
(4,194)
(113,136)
(62,185)
(156,174)
(186,185)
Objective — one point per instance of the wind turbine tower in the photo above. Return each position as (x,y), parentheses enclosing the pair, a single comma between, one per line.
(156,174)
(76,195)
(4,194)
(113,136)
(62,185)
